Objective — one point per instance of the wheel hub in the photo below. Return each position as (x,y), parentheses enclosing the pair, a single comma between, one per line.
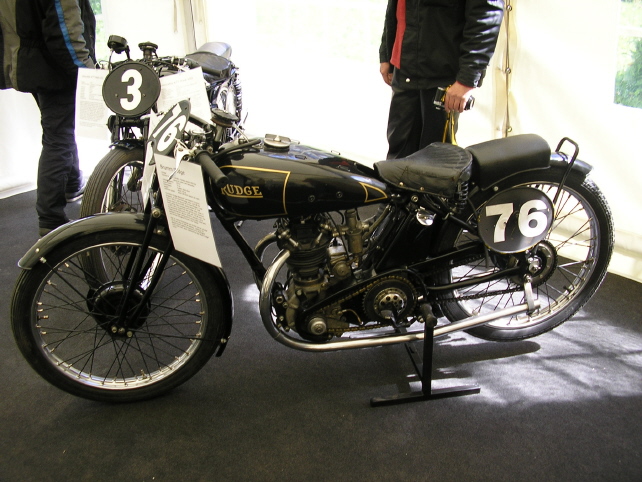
(107,304)
(542,263)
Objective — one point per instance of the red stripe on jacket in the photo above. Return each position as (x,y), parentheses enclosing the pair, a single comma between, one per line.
(401,28)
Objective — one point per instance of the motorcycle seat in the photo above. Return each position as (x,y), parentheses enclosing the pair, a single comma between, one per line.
(219,48)
(436,169)
(215,65)
(496,159)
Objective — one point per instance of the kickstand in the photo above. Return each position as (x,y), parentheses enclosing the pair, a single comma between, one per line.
(425,371)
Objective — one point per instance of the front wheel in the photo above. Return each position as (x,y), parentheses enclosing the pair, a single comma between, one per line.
(115,184)
(572,260)
(108,335)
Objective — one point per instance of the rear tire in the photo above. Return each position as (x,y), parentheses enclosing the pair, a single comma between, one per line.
(576,255)
(68,323)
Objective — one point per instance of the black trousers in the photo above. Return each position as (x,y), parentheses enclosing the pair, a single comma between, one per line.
(58,167)
(414,122)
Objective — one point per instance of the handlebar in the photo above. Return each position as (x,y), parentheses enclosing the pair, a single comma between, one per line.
(206,161)
(212,170)
(173,64)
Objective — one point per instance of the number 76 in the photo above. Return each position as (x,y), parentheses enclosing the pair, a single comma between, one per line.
(531,221)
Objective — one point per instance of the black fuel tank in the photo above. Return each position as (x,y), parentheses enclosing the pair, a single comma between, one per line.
(295,180)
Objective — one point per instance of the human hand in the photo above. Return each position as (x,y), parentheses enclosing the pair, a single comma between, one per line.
(457,96)
(386,73)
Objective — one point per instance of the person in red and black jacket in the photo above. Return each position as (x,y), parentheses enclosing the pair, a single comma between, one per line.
(43,43)
(428,44)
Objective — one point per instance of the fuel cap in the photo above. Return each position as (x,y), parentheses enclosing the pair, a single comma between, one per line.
(277,142)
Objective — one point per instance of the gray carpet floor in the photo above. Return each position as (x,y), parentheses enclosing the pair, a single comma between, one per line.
(564,406)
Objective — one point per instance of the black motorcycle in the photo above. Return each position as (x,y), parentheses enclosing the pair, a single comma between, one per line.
(114,185)
(503,239)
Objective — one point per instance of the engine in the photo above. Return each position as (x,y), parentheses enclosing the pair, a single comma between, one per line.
(326,258)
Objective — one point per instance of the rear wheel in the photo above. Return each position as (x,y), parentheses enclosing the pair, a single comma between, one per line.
(572,261)
(95,334)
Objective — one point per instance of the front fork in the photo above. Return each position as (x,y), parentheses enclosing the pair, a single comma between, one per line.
(137,270)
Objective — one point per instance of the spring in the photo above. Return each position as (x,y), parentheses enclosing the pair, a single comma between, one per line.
(239,94)
(461,197)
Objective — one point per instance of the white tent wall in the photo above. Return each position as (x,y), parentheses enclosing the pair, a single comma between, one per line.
(20,144)
(563,66)
(20,135)
(311,72)
(298,81)
(167,23)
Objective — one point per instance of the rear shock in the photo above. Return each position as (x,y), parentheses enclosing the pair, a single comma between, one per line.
(461,197)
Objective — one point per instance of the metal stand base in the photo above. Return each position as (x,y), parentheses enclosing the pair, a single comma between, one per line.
(425,375)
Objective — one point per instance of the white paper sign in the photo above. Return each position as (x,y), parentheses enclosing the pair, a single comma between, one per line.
(91,111)
(183,86)
(186,208)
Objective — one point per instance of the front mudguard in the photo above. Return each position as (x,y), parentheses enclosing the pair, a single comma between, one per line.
(70,231)
(118,221)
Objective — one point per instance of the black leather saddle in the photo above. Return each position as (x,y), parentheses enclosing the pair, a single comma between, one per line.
(439,168)
(496,159)
(436,169)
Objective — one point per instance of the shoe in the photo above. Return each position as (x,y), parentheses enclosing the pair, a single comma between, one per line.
(74,196)
(44,231)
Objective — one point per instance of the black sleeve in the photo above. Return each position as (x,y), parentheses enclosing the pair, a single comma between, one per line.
(389,32)
(483,21)
(63,35)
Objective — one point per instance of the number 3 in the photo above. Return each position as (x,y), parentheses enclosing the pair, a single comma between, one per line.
(133,90)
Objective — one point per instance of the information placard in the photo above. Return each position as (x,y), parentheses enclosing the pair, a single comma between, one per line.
(186,208)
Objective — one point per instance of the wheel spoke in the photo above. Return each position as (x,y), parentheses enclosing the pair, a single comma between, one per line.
(82,335)
(573,244)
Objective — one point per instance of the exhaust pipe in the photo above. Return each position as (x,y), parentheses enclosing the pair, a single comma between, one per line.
(265,309)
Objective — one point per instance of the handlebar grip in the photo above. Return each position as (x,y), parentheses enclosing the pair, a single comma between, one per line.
(212,170)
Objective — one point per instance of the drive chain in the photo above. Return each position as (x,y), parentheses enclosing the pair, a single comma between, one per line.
(486,294)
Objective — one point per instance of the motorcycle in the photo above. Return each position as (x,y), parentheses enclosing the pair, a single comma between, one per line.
(114,185)
(504,239)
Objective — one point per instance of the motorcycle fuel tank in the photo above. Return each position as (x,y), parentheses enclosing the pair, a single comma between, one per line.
(279,178)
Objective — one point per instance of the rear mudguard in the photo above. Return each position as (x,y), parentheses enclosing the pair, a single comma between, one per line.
(557,163)
(499,159)
(118,221)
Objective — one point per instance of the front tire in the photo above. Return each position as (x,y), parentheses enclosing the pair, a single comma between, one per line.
(115,184)
(69,324)
(575,257)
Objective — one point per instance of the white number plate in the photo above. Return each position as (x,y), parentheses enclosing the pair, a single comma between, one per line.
(515,220)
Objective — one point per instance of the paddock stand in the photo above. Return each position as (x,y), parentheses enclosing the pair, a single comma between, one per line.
(424,371)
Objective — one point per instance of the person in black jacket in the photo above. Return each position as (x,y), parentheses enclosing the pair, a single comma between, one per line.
(43,43)
(428,44)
